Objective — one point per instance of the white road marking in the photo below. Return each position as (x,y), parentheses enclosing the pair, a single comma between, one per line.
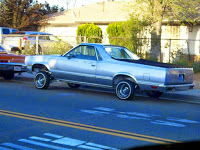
(100,146)
(53,135)
(182,120)
(68,141)
(94,112)
(104,109)
(39,138)
(88,147)
(43,144)
(3,148)
(160,122)
(131,117)
(138,114)
(17,146)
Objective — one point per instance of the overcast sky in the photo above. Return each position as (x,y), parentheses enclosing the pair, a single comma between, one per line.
(72,3)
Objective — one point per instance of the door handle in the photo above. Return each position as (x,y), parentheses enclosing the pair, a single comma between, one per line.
(93,65)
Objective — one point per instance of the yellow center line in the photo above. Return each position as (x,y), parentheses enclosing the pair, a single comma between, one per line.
(119,133)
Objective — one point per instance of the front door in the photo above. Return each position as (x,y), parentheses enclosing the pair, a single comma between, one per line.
(78,65)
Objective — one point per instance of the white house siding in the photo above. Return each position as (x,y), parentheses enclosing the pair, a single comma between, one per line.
(104,33)
(194,42)
(66,33)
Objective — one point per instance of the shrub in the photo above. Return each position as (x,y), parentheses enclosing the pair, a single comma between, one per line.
(196,67)
(57,48)
(52,49)
(127,33)
(115,32)
(92,32)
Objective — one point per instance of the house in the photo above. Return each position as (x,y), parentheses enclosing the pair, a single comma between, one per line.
(101,13)
(175,38)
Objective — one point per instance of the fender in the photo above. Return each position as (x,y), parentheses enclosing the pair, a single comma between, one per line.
(125,74)
(41,64)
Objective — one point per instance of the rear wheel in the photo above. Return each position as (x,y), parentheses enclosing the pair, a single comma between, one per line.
(154,94)
(74,86)
(42,80)
(125,90)
(8,75)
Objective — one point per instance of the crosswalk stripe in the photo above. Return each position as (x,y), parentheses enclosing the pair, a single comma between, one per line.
(88,147)
(69,141)
(100,146)
(43,144)
(40,139)
(17,146)
(53,135)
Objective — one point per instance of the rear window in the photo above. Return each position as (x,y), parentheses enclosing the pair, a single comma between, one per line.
(6,31)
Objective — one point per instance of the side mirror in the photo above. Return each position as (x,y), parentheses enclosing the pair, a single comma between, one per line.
(71,56)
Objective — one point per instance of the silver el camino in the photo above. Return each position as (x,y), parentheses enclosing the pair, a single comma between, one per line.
(109,66)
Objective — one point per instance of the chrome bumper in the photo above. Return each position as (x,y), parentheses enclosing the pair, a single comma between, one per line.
(180,87)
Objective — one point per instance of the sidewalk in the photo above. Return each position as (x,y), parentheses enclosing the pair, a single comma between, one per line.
(195,92)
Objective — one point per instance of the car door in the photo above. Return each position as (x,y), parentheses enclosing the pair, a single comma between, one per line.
(78,65)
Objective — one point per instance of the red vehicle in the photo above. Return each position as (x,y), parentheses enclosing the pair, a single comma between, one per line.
(10,64)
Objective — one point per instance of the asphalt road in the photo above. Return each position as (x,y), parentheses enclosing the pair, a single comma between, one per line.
(64,118)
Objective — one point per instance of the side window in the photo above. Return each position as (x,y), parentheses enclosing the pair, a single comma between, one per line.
(83,52)
(6,31)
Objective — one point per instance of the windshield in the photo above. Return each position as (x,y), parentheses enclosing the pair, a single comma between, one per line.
(120,53)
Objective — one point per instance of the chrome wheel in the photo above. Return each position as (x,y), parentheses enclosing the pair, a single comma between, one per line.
(125,90)
(42,80)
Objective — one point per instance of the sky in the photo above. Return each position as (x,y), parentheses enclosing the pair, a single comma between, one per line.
(72,4)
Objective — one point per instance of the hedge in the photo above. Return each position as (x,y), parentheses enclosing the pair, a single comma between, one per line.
(92,32)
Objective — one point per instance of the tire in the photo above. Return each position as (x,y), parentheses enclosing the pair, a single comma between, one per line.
(74,86)
(125,90)
(8,75)
(154,94)
(42,80)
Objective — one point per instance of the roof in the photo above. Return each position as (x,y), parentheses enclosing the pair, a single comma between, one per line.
(31,33)
(101,12)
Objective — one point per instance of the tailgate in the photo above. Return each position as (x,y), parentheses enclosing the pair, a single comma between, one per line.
(177,76)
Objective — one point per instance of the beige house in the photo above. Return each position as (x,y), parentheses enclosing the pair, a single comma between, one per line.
(101,14)
(174,37)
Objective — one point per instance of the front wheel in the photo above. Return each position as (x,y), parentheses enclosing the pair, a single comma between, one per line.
(125,90)
(154,94)
(42,80)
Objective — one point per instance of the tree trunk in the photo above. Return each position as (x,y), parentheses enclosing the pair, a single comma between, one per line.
(156,42)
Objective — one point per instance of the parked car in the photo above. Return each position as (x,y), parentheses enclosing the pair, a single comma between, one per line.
(5,31)
(17,41)
(10,64)
(109,66)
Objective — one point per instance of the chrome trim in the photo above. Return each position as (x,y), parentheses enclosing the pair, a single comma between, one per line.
(177,86)
(86,83)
